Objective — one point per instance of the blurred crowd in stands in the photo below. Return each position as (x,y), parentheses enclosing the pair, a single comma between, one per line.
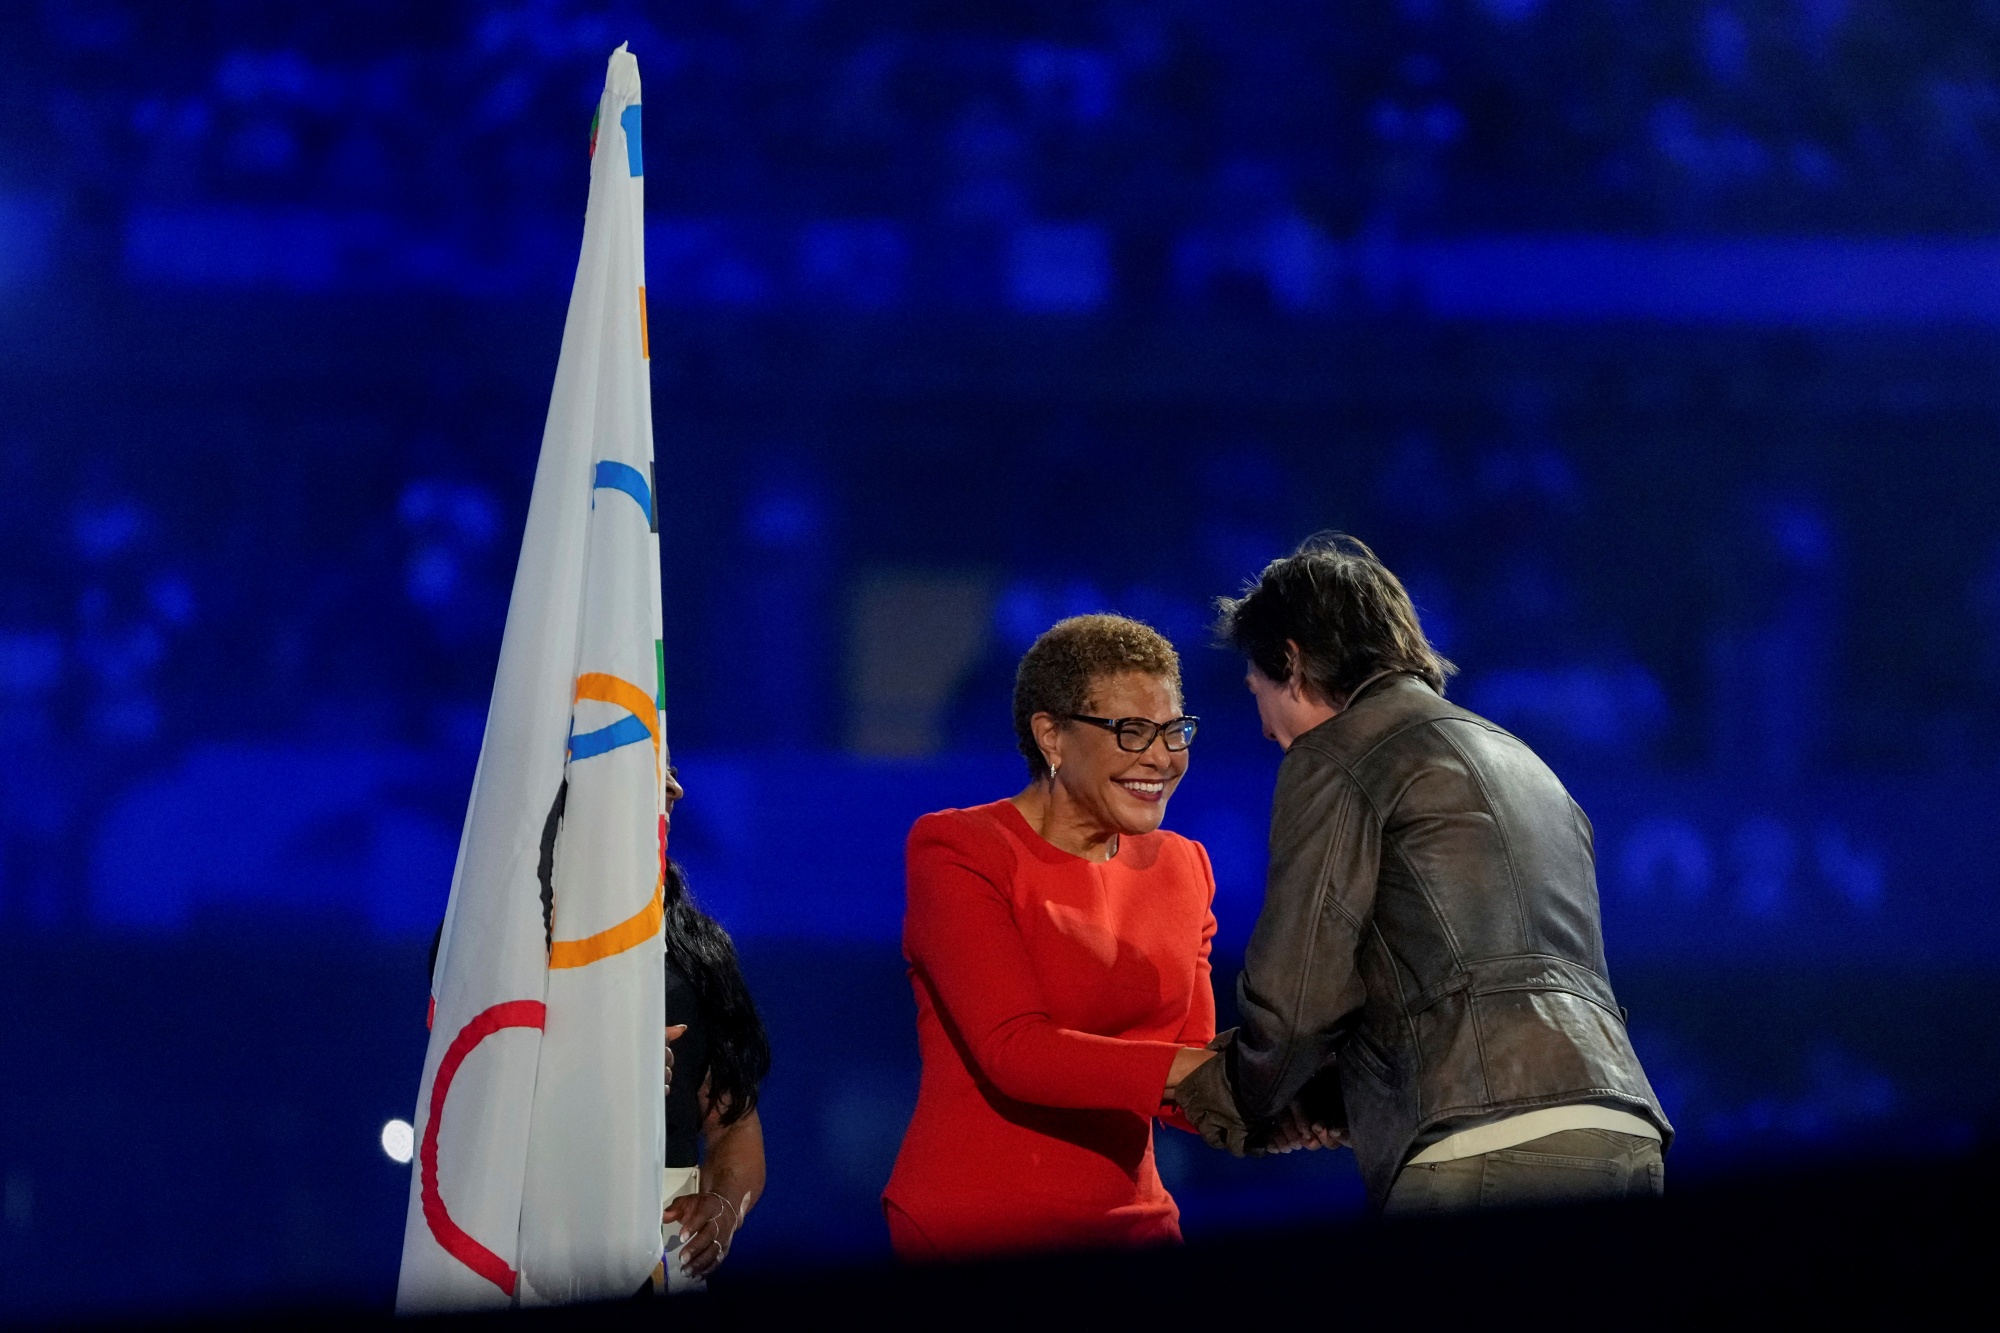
(1100,153)
(1712,596)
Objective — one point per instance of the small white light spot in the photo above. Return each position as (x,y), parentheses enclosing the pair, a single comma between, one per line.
(399,1140)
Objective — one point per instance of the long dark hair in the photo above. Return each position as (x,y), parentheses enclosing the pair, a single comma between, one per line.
(739,1054)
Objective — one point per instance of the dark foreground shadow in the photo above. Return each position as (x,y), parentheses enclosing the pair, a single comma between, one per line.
(1870,1244)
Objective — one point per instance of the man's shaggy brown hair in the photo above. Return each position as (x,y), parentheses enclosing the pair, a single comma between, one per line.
(1063,666)
(1350,617)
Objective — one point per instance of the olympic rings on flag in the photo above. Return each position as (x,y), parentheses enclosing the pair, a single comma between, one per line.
(644,722)
(454,1238)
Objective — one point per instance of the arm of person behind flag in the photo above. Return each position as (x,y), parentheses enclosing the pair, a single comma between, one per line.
(673,1034)
(732,1180)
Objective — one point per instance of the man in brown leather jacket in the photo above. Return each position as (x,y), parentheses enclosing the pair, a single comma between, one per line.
(1427,976)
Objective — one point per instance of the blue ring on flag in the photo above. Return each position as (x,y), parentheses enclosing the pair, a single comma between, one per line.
(626,478)
(635,157)
(625,731)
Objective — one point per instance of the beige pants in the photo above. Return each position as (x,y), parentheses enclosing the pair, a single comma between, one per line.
(1574,1166)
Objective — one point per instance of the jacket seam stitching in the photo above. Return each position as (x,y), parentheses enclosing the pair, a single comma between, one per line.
(1325,746)
(1566,1097)
(1409,1019)
(1357,787)
(1423,884)
(1416,877)
(1479,1043)
(1500,831)
(1457,980)
(1551,990)
(1354,789)
(1587,844)
(1321,900)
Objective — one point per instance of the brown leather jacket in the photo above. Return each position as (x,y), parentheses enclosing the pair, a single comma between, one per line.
(1429,938)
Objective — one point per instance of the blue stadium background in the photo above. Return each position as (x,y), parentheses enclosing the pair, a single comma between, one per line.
(1657,346)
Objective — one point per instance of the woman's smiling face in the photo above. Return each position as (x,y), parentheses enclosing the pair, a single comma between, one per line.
(1117,790)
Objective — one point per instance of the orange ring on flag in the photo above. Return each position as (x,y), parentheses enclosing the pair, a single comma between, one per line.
(633,931)
(608,689)
(643,924)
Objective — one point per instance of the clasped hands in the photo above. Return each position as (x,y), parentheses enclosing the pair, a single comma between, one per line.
(1293,1131)
(1205,1097)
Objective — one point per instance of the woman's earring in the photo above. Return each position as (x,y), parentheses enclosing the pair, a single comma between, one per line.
(1053,770)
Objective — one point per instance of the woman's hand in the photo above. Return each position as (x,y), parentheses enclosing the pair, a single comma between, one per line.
(1186,1061)
(673,1035)
(732,1178)
(708,1224)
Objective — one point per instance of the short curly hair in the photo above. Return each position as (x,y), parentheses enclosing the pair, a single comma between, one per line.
(1063,666)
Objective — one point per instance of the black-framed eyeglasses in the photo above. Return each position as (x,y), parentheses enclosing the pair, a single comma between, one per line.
(1137,734)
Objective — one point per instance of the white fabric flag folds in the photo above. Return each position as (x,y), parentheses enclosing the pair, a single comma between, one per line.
(539,1118)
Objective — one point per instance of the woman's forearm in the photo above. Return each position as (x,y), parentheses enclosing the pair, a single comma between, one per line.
(1033,1060)
(1186,1061)
(733,1162)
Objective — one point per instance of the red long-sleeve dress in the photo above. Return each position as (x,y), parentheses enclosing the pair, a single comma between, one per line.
(1052,993)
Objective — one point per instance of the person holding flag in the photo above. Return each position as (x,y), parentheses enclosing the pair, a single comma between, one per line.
(716,1058)
(715,1139)
(541,1128)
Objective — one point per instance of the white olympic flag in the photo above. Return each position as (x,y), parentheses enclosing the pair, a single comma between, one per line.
(539,1118)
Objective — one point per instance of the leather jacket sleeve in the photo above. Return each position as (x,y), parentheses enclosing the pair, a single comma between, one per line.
(1300,984)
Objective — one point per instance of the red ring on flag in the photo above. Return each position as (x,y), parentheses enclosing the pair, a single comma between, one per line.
(454,1238)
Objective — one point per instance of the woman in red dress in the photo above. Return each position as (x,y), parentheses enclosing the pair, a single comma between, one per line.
(1058,947)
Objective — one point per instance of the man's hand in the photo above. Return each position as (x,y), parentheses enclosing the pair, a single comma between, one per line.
(673,1035)
(1295,1130)
(708,1224)
(1205,1097)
